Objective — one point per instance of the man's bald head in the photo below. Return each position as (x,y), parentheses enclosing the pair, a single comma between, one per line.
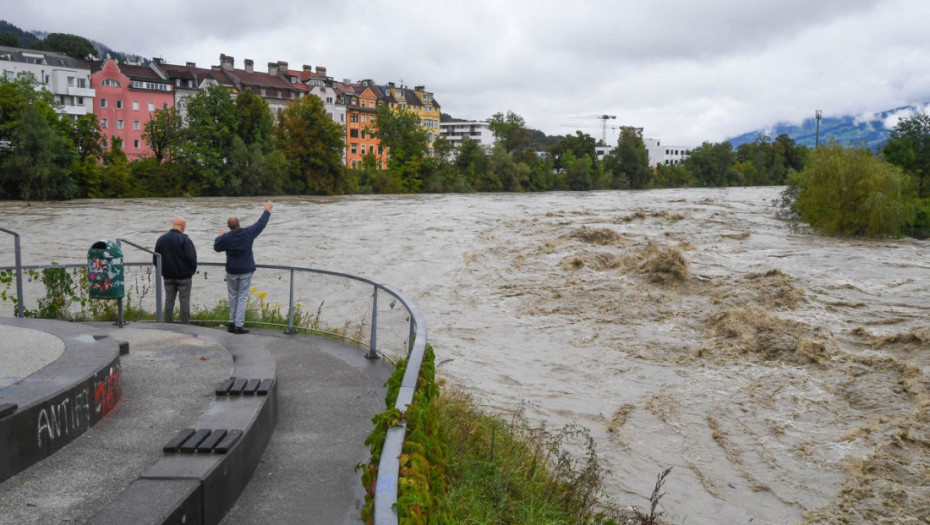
(233,223)
(179,224)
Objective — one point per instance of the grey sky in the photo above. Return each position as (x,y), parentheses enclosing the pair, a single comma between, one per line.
(685,71)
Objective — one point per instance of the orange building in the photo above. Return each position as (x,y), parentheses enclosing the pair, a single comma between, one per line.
(362,101)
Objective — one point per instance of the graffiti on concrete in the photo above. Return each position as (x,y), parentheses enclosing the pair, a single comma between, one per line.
(72,415)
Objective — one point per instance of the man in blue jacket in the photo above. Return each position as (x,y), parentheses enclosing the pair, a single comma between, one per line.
(240,264)
(178,265)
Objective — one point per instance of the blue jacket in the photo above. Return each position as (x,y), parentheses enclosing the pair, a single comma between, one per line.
(238,246)
(178,256)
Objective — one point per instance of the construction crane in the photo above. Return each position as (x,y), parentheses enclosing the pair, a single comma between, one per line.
(603,125)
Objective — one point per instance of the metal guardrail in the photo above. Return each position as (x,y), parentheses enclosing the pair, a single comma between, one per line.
(348,308)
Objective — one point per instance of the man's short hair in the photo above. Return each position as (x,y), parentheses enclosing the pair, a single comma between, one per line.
(233,223)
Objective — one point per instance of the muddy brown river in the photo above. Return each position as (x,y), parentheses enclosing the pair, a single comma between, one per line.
(781,374)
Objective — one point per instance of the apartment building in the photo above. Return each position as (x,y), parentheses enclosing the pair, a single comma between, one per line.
(127,96)
(66,78)
(476,130)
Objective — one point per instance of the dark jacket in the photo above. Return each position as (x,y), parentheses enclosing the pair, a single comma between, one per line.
(178,256)
(238,246)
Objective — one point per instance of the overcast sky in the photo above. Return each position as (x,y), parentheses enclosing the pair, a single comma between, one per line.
(685,71)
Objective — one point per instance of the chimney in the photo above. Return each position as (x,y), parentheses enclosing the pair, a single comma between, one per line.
(419,88)
(282,66)
(158,61)
(273,68)
(249,65)
(308,69)
(191,64)
(390,84)
(320,70)
(227,62)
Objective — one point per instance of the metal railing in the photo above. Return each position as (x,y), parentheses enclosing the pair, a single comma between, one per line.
(358,310)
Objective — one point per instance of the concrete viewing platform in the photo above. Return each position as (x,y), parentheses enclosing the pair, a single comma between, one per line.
(98,418)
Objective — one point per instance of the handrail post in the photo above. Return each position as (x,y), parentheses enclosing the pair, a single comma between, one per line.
(19,272)
(290,308)
(159,315)
(373,340)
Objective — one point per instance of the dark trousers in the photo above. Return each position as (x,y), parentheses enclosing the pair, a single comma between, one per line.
(178,288)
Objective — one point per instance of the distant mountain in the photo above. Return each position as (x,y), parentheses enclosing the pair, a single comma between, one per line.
(872,131)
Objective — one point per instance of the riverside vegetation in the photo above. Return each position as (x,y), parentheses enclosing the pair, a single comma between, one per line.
(235,146)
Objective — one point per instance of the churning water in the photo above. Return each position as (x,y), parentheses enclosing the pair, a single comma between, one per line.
(782,375)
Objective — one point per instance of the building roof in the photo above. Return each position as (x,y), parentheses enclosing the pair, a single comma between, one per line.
(18,54)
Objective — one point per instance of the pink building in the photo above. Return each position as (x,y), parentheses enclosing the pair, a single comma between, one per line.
(126,97)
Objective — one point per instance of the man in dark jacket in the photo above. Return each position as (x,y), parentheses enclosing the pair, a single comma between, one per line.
(178,265)
(240,264)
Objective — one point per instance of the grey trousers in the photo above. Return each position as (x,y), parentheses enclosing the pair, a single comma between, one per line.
(180,288)
(238,287)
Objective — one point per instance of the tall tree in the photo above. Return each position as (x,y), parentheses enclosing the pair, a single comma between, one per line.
(38,163)
(633,158)
(163,133)
(510,131)
(909,147)
(580,144)
(312,144)
(86,136)
(407,142)
(472,161)
(37,151)
(212,122)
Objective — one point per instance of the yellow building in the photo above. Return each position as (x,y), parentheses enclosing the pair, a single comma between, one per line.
(418,101)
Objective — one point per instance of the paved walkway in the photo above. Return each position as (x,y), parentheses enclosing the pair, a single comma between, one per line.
(327,394)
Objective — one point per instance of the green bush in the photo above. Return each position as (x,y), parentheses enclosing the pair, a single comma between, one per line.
(851,192)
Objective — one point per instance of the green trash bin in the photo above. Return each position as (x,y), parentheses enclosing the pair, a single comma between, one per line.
(105,270)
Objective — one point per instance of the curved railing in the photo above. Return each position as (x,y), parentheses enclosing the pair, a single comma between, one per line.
(362,311)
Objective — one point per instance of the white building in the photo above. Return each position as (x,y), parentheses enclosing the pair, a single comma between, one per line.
(66,78)
(658,154)
(457,132)
(665,155)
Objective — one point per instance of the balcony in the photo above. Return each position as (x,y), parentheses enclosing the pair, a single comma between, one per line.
(82,92)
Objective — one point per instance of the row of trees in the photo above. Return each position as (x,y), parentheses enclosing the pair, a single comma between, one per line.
(232,146)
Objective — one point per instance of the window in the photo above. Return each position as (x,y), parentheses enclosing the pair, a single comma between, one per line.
(78,101)
(363,149)
(135,143)
(353,164)
(71,81)
(364,132)
(119,103)
(329,100)
(342,117)
(103,123)
(109,82)
(164,105)
(151,106)
(135,125)
(353,117)
(103,103)
(354,149)
(135,105)
(353,133)
(119,124)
